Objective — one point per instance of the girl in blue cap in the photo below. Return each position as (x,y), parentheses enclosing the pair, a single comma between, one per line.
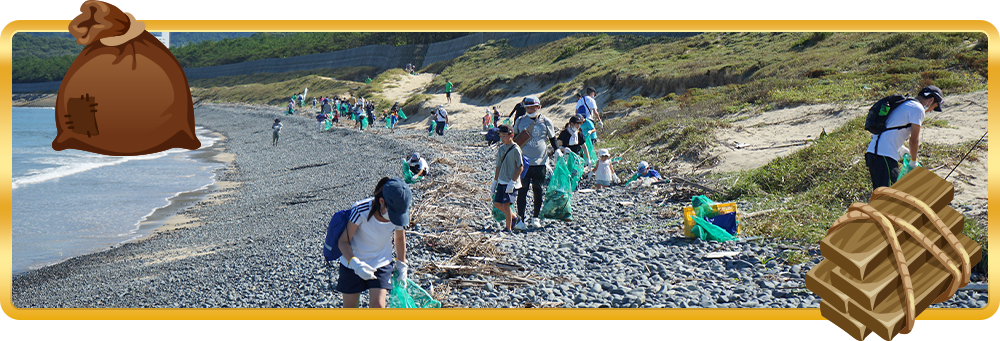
(374,228)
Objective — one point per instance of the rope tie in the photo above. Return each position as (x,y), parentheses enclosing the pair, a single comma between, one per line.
(960,274)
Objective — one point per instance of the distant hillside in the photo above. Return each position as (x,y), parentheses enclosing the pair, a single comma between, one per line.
(45,57)
(281,45)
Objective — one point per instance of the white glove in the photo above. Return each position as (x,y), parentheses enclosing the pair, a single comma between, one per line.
(365,271)
(415,178)
(401,269)
(514,185)
(600,124)
(493,187)
(558,154)
(913,164)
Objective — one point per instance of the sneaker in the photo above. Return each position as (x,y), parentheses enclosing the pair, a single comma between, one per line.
(537,223)
(520,226)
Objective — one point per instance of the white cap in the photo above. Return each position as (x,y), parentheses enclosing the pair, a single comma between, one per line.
(602,152)
(643,164)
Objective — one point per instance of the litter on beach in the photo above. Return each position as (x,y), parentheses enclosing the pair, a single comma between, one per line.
(722,254)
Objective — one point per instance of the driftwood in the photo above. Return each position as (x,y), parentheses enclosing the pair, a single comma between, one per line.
(692,184)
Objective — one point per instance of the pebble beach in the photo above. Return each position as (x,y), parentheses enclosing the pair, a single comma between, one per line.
(254,239)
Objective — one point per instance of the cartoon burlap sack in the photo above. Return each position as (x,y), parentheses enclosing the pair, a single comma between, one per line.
(125,94)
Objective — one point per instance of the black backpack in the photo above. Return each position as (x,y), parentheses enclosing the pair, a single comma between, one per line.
(878,114)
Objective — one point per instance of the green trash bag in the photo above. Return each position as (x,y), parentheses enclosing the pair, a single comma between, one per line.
(506,121)
(401,115)
(388,123)
(575,165)
(328,124)
(905,167)
(412,296)
(557,202)
(705,230)
(634,176)
(408,175)
(703,206)
(290,111)
(592,154)
(498,215)
(434,125)
(364,124)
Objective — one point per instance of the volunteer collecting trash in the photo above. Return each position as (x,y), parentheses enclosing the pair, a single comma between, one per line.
(903,122)
(375,226)
(507,177)
(587,107)
(441,120)
(571,139)
(418,165)
(645,172)
(277,129)
(604,172)
(538,131)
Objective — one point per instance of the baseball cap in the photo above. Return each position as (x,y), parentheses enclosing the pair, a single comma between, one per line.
(531,101)
(504,129)
(931,91)
(415,156)
(398,198)
(576,119)
(643,165)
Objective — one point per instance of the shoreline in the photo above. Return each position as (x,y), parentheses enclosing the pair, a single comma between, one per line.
(169,216)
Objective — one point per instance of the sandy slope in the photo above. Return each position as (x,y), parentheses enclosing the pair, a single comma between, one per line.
(753,140)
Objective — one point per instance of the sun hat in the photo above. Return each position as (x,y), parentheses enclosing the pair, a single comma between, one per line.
(398,198)
(603,152)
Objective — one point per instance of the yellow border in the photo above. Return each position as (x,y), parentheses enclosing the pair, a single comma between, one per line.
(474,314)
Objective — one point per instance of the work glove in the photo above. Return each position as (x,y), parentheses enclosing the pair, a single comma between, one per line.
(914,164)
(514,185)
(557,154)
(493,187)
(600,124)
(401,272)
(415,178)
(365,271)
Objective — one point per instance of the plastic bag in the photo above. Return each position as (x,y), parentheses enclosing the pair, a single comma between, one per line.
(364,123)
(707,231)
(408,175)
(498,215)
(401,115)
(506,121)
(433,126)
(703,206)
(905,167)
(592,154)
(575,166)
(558,198)
(412,296)
(327,125)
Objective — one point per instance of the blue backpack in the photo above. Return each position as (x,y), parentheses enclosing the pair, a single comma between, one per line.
(337,226)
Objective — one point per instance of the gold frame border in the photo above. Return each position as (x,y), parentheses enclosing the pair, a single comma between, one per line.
(6,248)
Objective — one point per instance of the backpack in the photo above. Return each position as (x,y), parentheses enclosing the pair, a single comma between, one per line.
(583,109)
(337,226)
(878,115)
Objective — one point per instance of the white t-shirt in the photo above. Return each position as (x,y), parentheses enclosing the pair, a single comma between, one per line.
(276,127)
(591,105)
(603,171)
(421,161)
(908,112)
(442,115)
(372,242)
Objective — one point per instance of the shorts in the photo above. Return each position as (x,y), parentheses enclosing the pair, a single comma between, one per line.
(350,283)
(447,94)
(603,182)
(502,197)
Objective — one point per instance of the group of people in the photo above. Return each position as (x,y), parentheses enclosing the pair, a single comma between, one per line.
(376,224)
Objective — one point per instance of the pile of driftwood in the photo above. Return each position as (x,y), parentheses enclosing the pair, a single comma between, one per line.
(446,211)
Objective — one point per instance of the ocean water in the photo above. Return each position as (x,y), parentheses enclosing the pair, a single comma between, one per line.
(70,203)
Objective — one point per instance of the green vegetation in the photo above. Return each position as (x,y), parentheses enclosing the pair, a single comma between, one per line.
(277,93)
(47,58)
(281,45)
(356,74)
(373,91)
